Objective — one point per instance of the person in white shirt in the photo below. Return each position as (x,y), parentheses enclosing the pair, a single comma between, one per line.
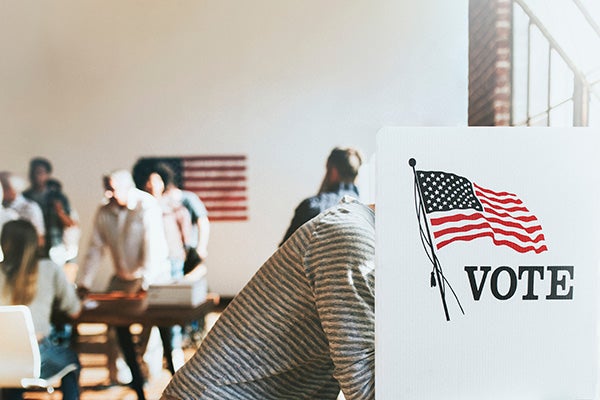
(12,198)
(130,226)
(6,214)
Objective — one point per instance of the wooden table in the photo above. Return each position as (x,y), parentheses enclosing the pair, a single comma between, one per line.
(120,309)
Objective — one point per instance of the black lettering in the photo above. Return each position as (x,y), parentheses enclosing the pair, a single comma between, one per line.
(555,282)
(531,270)
(477,290)
(513,283)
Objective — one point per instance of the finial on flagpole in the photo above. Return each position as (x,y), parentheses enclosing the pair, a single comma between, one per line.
(412,162)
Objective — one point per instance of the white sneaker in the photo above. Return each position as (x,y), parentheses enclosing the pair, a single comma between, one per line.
(123,372)
(178,358)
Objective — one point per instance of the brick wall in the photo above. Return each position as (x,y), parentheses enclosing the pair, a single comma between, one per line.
(490,25)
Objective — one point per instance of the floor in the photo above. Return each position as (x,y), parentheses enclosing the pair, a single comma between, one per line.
(95,382)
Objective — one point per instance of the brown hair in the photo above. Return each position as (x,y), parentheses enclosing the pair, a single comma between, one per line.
(19,243)
(347,161)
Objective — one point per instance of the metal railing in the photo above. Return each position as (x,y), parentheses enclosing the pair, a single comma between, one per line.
(580,93)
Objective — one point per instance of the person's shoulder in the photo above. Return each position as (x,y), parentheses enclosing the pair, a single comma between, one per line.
(28,193)
(321,202)
(191,199)
(7,214)
(311,203)
(348,217)
(348,213)
(29,204)
(142,200)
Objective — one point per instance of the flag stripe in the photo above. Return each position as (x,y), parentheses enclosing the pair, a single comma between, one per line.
(215,158)
(225,208)
(487,225)
(497,200)
(200,189)
(226,168)
(215,178)
(476,216)
(493,193)
(208,199)
(228,218)
(523,218)
(512,245)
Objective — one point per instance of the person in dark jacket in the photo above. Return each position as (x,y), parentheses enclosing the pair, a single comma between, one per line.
(339,181)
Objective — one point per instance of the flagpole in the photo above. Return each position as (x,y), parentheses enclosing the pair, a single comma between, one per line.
(412,162)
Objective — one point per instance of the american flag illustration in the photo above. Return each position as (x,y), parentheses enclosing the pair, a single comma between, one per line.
(219,180)
(461,210)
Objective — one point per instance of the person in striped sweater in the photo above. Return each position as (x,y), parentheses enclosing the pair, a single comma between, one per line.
(303,326)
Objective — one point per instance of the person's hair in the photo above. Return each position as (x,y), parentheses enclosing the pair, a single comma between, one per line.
(347,161)
(19,241)
(166,173)
(141,171)
(144,167)
(38,162)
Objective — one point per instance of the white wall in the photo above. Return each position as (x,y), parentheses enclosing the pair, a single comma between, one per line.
(93,85)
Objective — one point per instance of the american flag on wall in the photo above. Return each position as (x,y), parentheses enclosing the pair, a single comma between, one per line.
(219,180)
(460,210)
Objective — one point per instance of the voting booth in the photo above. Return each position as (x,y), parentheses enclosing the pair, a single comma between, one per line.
(487,263)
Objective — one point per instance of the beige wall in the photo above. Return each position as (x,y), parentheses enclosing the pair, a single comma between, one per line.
(93,85)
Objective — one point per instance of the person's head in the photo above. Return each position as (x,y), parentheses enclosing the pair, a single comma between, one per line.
(342,167)
(12,187)
(19,241)
(161,177)
(117,186)
(40,170)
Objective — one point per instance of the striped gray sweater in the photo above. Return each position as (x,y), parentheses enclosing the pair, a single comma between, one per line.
(303,327)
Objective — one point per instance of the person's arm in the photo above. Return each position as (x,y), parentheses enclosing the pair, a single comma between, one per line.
(67,299)
(340,263)
(203,235)
(199,217)
(93,257)
(63,214)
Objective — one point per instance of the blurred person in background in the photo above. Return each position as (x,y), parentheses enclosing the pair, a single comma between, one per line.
(29,210)
(60,221)
(129,224)
(341,171)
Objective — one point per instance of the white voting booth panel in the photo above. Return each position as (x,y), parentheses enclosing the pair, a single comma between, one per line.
(506,222)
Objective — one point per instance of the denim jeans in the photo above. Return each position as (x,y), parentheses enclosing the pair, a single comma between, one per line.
(55,358)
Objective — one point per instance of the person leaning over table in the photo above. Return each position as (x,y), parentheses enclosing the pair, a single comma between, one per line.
(303,327)
(130,225)
(38,284)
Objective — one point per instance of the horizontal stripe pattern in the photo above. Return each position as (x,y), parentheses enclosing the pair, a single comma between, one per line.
(460,210)
(304,324)
(221,184)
